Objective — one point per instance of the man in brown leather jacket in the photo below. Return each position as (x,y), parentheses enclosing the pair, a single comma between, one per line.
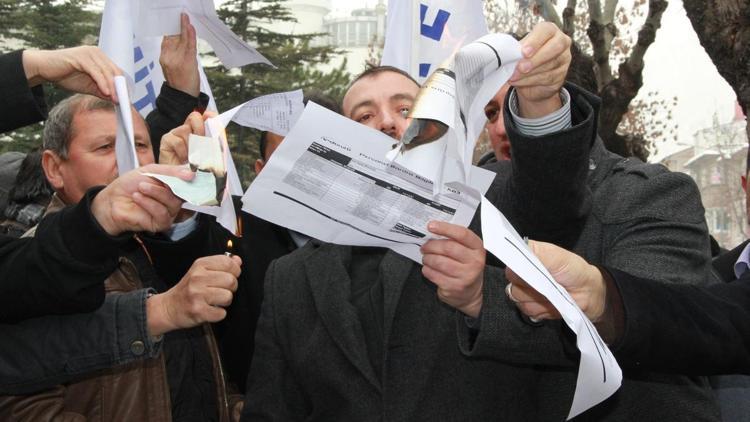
(185,381)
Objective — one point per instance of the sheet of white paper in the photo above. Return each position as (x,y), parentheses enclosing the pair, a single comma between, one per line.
(205,153)
(275,113)
(449,109)
(124,140)
(599,375)
(116,34)
(199,191)
(330,180)
(162,17)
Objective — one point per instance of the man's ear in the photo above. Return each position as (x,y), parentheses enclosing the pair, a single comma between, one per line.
(51,163)
(259,164)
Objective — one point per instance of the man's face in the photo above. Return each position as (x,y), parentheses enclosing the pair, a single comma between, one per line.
(496,124)
(272,142)
(91,153)
(381,101)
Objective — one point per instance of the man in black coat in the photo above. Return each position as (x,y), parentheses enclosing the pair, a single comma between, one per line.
(351,333)
(34,282)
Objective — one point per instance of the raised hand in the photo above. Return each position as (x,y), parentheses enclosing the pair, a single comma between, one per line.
(178,59)
(80,69)
(541,73)
(173,148)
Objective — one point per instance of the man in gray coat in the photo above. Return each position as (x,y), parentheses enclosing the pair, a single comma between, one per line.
(362,334)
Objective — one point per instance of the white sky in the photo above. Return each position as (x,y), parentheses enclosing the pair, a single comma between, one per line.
(676,65)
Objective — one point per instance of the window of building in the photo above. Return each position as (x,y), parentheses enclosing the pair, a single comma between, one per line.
(717,220)
(352,36)
(715,178)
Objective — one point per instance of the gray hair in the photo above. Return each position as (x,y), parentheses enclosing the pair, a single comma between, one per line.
(58,129)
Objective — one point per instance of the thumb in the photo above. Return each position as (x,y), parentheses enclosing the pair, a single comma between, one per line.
(169,170)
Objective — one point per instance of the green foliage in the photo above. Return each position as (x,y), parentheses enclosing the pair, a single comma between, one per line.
(52,24)
(296,58)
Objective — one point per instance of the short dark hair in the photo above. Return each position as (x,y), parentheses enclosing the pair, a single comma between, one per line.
(372,70)
(313,95)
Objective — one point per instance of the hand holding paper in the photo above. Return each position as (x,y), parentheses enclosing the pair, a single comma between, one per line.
(178,59)
(580,279)
(456,265)
(541,73)
(599,375)
(135,202)
(80,69)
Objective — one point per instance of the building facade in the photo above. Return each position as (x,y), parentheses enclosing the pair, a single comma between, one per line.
(716,160)
(358,32)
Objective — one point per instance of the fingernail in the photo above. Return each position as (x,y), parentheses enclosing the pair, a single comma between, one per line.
(527,51)
(431,226)
(144,187)
(524,66)
(186,174)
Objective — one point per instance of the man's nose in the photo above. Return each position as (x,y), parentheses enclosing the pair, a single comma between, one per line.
(497,128)
(389,125)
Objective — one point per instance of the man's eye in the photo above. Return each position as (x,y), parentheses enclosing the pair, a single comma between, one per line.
(364,118)
(404,111)
(491,114)
(105,147)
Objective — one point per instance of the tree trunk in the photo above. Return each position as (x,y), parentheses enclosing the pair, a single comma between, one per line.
(723,28)
(618,93)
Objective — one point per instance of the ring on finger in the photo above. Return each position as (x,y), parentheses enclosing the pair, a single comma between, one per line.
(509,293)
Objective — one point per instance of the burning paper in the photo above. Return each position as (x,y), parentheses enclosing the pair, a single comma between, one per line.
(206,159)
(448,114)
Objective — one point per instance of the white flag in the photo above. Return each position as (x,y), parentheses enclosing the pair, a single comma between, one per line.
(422,34)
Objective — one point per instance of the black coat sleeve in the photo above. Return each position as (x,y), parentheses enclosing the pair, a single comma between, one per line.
(19,104)
(543,190)
(172,108)
(61,269)
(695,330)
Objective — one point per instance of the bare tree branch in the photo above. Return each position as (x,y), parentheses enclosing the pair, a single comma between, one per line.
(549,13)
(618,93)
(569,14)
(723,28)
(601,32)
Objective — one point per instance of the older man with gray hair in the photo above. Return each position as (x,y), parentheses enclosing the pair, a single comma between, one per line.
(184,382)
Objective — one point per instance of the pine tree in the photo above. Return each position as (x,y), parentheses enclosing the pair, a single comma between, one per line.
(296,58)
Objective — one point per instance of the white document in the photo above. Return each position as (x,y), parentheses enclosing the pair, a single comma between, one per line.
(127,159)
(161,17)
(448,114)
(330,180)
(599,375)
(275,113)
